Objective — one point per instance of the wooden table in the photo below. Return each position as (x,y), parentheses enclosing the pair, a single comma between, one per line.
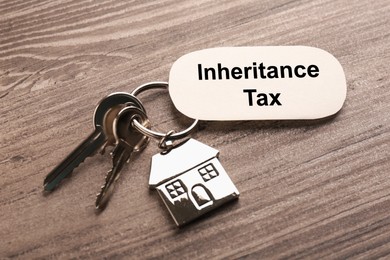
(312,190)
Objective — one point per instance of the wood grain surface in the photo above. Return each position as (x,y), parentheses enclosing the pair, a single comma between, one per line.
(309,189)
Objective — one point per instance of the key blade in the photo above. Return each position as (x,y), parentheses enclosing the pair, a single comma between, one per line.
(87,148)
(120,157)
(106,190)
(128,140)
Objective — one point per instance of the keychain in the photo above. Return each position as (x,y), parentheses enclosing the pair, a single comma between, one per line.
(230,83)
(188,175)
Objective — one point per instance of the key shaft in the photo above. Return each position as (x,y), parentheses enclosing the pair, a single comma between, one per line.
(93,142)
(120,157)
(129,140)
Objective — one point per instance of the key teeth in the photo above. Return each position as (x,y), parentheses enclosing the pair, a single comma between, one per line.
(100,197)
(98,203)
(47,182)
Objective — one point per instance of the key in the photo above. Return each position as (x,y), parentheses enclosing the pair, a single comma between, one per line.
(102,136)
(128,142)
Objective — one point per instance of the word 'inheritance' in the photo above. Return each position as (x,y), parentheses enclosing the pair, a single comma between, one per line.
(257,71)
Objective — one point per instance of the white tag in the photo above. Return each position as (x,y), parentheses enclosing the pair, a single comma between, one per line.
(257,83)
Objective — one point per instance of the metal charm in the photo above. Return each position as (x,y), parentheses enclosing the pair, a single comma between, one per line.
(191,181)
(188,176)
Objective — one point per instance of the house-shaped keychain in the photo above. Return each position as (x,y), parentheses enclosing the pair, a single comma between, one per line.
(191,181)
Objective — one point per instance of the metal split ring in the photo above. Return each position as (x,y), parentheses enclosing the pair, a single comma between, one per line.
(164,137)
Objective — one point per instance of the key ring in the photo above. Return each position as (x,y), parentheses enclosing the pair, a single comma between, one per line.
(153,134)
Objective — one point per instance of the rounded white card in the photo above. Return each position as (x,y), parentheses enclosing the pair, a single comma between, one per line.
(258,83)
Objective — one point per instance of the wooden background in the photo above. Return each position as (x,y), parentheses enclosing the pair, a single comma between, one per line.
(308,189)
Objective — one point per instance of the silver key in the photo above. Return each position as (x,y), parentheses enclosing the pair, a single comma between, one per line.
(128,141)
(103,135)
